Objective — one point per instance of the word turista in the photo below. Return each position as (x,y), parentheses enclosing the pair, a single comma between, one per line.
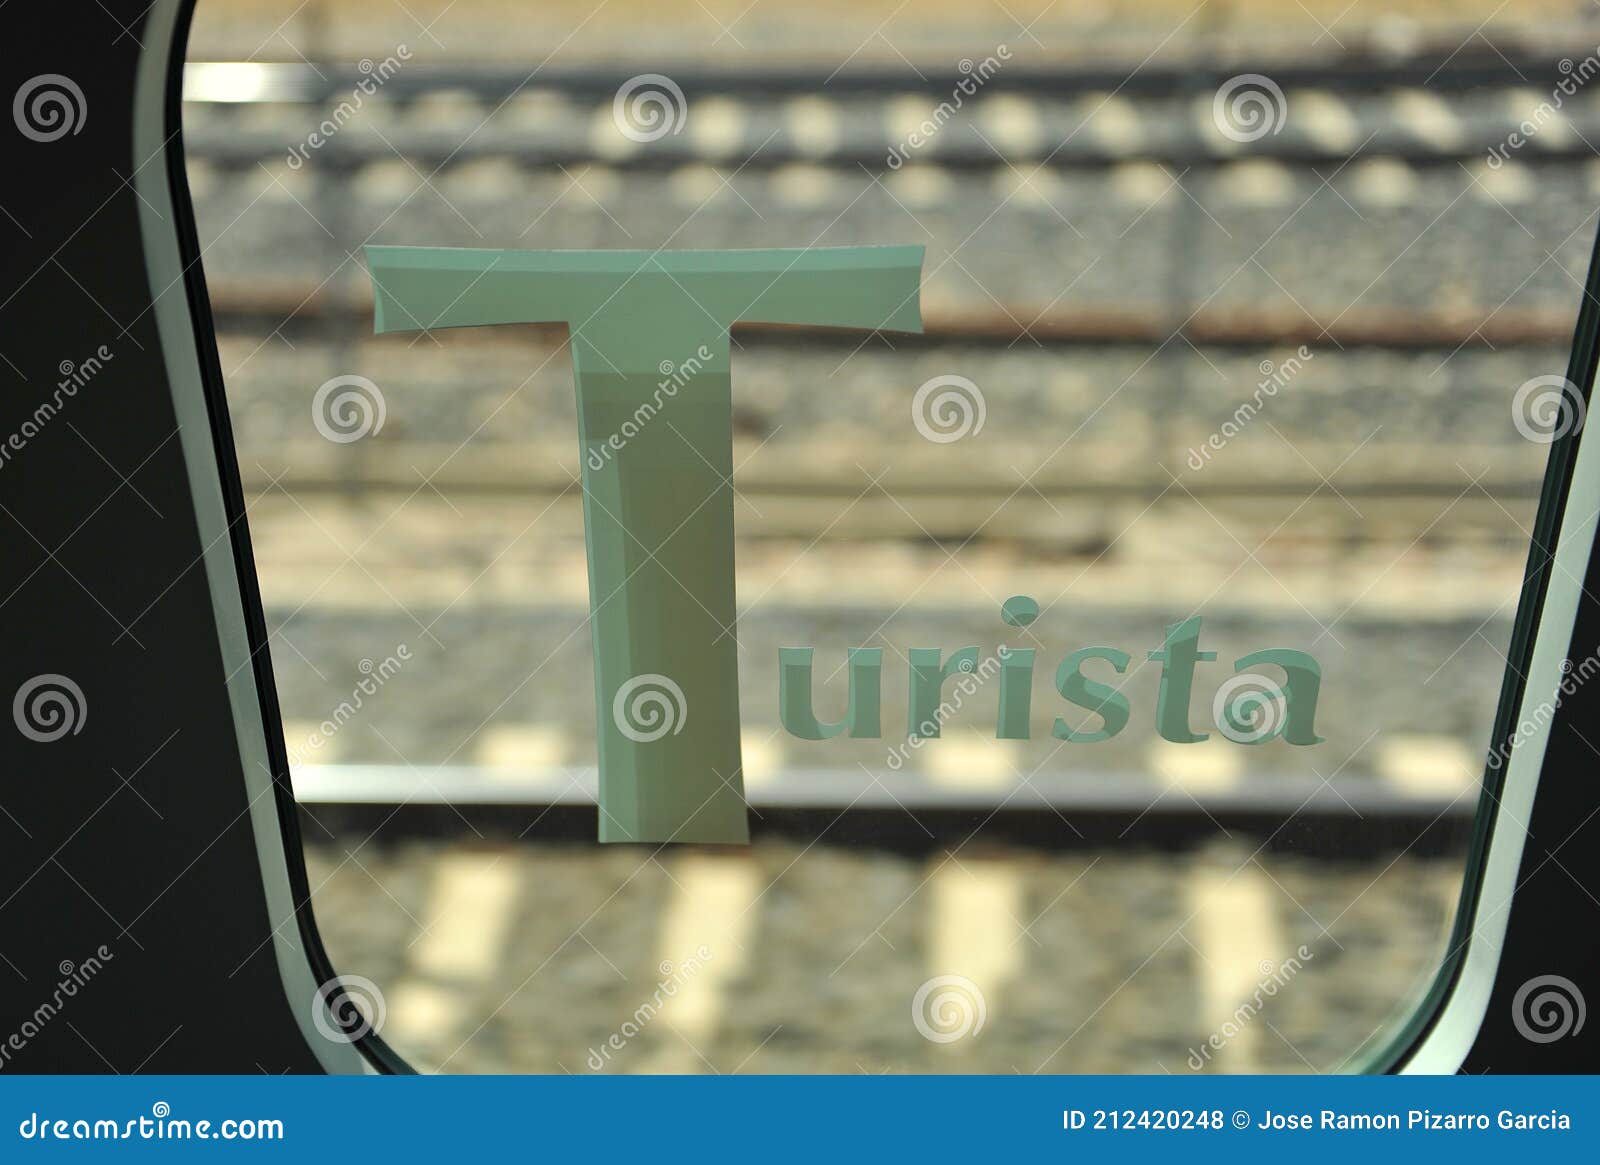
(1267,710)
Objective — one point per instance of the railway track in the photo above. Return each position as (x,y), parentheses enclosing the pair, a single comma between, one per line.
(1127,243)
(1426,116)
(1358,817)
(499,957)
(1450,70)
(311,308)
(1144,208)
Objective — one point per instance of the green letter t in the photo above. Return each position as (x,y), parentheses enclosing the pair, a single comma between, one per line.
(655,425)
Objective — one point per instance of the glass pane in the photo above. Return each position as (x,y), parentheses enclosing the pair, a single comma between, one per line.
(1227,408)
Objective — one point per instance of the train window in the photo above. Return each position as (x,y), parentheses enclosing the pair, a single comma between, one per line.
(950,538)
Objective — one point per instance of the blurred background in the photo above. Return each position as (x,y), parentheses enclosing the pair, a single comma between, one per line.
(1243,298)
